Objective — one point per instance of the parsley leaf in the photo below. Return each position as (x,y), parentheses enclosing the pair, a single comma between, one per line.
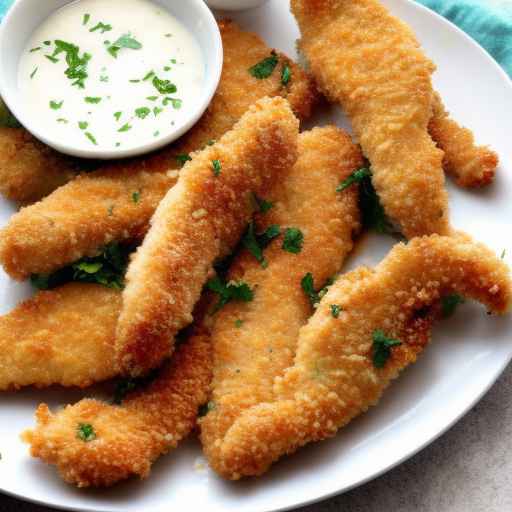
(92,99)
(142,112)
(256,243)
(136,197)
(232,291)
(308,286)
(86,19)
(118,115)
(77,66)
(217,167)
(56,105)
(261,204)
(374,216)
(164,86)
(264,68)
(238,323)
(206,408)
(85,432)
(157,110)
(449,304)
(125,41)
(126,127)
(356,177)
(33,74)
(293,240)
(176,103)
(335,310)
(382,348)
(127,385)
(104,27)
(183,158)
(91,137)
(83,125)
(286,75)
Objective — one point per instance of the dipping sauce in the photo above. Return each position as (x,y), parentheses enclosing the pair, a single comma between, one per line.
(111,73)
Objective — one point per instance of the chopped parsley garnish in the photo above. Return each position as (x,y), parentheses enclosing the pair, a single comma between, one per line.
(335,310)
(168,35)
(167,68)
(206,408)
(135,81)
(238,323)
(356,177)
(152,98)
(382,348)
(86,19)
(232,291)
(183,158)
(62,120)
(83,125)
(77,66)
(104,27)
(52,59)
(308,287)
(176,103)
(164,86)
(256,243)
(91,137)
(156,134)
(325,288)
(93,99)
(103,78)
(217,167)
(503,254)
(286,75)
(33,74)
(173,61)
(142,112)
(126,127)
(56,105)
(85,432)
(157,110)
(127,385)
(293,240)
(47,43)
(151,74)
(136,197)
(264,68)
(449,304)
(118,115)
(262,204)
(125,41)
(35,49)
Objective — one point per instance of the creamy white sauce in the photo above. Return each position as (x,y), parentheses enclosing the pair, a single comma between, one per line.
(130,110)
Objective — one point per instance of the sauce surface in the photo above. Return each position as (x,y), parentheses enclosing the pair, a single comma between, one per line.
(110,73)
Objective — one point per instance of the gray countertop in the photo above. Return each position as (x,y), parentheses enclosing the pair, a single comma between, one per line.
(468,469)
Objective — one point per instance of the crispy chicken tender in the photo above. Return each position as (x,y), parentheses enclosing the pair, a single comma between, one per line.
(248,357)
(470,165)
(98,207)
(130,437)
(371,63)
(333,378)
(63,336)
(199,220)
(29,170)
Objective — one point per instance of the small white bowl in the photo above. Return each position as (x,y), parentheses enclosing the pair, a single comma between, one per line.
(26,15)
(235,5)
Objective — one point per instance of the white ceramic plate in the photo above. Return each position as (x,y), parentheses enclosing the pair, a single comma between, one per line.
(468,354)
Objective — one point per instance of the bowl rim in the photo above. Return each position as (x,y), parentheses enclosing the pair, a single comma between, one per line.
(212,79)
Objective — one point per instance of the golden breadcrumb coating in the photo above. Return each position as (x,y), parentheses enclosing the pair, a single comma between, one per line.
(129,437)
(97,208)
(470,165)
(29,170)
(248,356)
(200,219)
(333,378)
(371,63)
(63,336)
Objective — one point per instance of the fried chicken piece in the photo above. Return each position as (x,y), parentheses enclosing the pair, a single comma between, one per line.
(254,342)
(334,377)
(470,165)
(371,63)
(63,336)
(200,220)
(98,207)
(29,170)
(127,438)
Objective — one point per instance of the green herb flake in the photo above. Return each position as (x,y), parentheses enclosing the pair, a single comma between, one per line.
(56,105)
(156,134)
(86,19)
(232,291)
(92,99)
(264,68)
(51,58)
(149,75)
(356,177)
(62,120)
(164,86)
(152,98)
(238,323)
(36,49)
(335,310)
(135,81)
(33,74)
(173,61)
(308,286)
(85,432)
(136,197)
(125,128)
(176,103)
(217,167)
(91,137)
(77,65)
(286,75)
(125,41)
(167,68)
(293,240)
(157,111)
(104,27)
(83,125)
(104,78)
(262,204)
(183,158)
(449,304)
(118,115)
(503,254)
(47,43)
(168,35)
(206,408)
(142,112)
(382,346)
(255,244)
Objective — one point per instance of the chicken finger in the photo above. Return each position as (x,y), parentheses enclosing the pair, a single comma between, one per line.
(199,220)
(254,342)
(338,372)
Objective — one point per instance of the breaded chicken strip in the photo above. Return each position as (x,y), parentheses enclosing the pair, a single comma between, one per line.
(64,336)
(200,220)
(470,165)
(344,364)
(254,342)
(371,63)
(98,207)
(29,170)
(93,443)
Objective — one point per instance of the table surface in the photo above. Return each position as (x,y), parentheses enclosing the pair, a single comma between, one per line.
(467,469)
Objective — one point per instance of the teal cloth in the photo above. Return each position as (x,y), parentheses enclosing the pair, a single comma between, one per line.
(488,21)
